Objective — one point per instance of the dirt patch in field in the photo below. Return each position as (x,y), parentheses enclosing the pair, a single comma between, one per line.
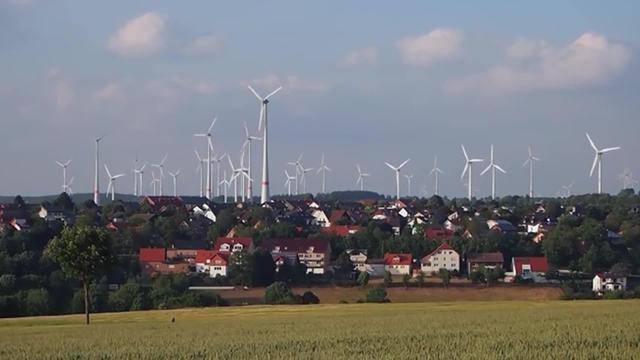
(398,294)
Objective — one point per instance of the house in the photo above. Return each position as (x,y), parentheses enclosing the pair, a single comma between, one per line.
(340,217)
(227,245)
(501,226)
(15,216)
(531,267)
(320,218)
(488,260)
(212,262)
(438,233)
(443,257)
(603,282)
(358,258)
(161,261)
(398,264)
(159,204)
(313,253)
(51,214)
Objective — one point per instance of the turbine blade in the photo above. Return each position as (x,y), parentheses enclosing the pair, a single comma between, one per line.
(593,167)
(500,169)
(464,151)
(591,142)
(212,123)
(403,164)
(391,166)
(255,93)
(273,93)
(610,149)
(464,171)
(485,170)
(107,169)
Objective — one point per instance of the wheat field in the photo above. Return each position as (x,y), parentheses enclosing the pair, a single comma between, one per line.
(460,330)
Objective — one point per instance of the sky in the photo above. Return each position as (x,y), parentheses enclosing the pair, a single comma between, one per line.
(363,82)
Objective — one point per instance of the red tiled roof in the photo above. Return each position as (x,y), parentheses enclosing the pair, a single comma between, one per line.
(341,230)
(203,255)
(538,264)
(397,259)
(443,246)
(152,255)
(336,215)
(245,241)
(438,233)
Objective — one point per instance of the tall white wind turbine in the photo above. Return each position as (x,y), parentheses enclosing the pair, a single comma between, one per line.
(530,160)
(112,182)
(567,189)
(96,178)
(597,160)
(154,183)
(323,169)
(217,159)
(138,175)
(297,165)
(263,124)
(64,167)
(200,169)
(397,172)
(160,167)
(225,184)
(208,136)
(435,172)
(175,181)
(249,138)
(493,167)
(67,187)
(361,176)
(287,182)
(303,179)
(468,169)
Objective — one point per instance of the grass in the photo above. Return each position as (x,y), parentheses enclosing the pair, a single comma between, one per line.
(469,330)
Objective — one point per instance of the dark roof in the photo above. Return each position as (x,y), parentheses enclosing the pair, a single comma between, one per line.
(298,245)
(488,257)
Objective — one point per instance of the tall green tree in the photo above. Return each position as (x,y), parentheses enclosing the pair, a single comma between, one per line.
(83,252)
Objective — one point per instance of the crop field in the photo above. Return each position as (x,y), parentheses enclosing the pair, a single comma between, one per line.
(460,330)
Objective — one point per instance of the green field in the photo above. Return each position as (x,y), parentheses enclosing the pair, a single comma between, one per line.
(462,330)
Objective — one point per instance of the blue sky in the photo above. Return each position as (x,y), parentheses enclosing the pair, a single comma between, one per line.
(363,84)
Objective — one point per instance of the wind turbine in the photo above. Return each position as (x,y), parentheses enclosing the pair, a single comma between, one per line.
(138,177)
(628,182)
(530,160)
(112,182)
(397,171)
(468,168)
(209,145)
(200,168)
(175,181)
(567,189)
(64,167)
(160,167)
(96,180)
(493,167)
(264,196)
(297,165)
(597,160)
(225,184)
(303,179)
(287,183)
(361,176)
(217,160)
(323,169)
(154,183)
(436,173)
(409,178)
(247,142)
(237,172)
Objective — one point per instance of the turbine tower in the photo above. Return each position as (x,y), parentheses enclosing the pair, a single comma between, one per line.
(530,160)
(209,145)
(154,183)
(435,172)
(247,142)
(175,181)
(64,167)
(112,183)
(409,179)
(597,160)
(200,169)
(160,167)
(493,167)
(297,165)
(96,180)
(137,181)
(217,159)
(361,176)
(264,195)
(323,169)
(468,169)
(397,171)
(287,183)
(303,179)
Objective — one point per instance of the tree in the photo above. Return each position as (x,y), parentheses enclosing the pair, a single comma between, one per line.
(377,295)
(405,280)
(19,201)
(388,279)
(241,267)
(363,278)
(64,202)
(310,298)
(278,293)
(83,252)
(264,269)
(445,275)
(344,266)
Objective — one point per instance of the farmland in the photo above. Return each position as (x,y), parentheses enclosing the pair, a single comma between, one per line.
(472,330)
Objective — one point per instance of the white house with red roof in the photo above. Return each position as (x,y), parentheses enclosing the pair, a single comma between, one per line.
(228,245)
(313,253)
(212,262)
(398,264)
(529,267)
(443,257)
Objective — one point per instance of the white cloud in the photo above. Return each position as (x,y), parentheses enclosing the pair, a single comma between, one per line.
(364,56)
(533,65)
(143,35)
(204,45)
(290,83)
(427,49)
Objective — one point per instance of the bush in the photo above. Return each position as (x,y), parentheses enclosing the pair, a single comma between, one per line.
(310,298)
(476,277)
(363,278)
(377,295)
(278,293)
(613,295)
(37,302)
